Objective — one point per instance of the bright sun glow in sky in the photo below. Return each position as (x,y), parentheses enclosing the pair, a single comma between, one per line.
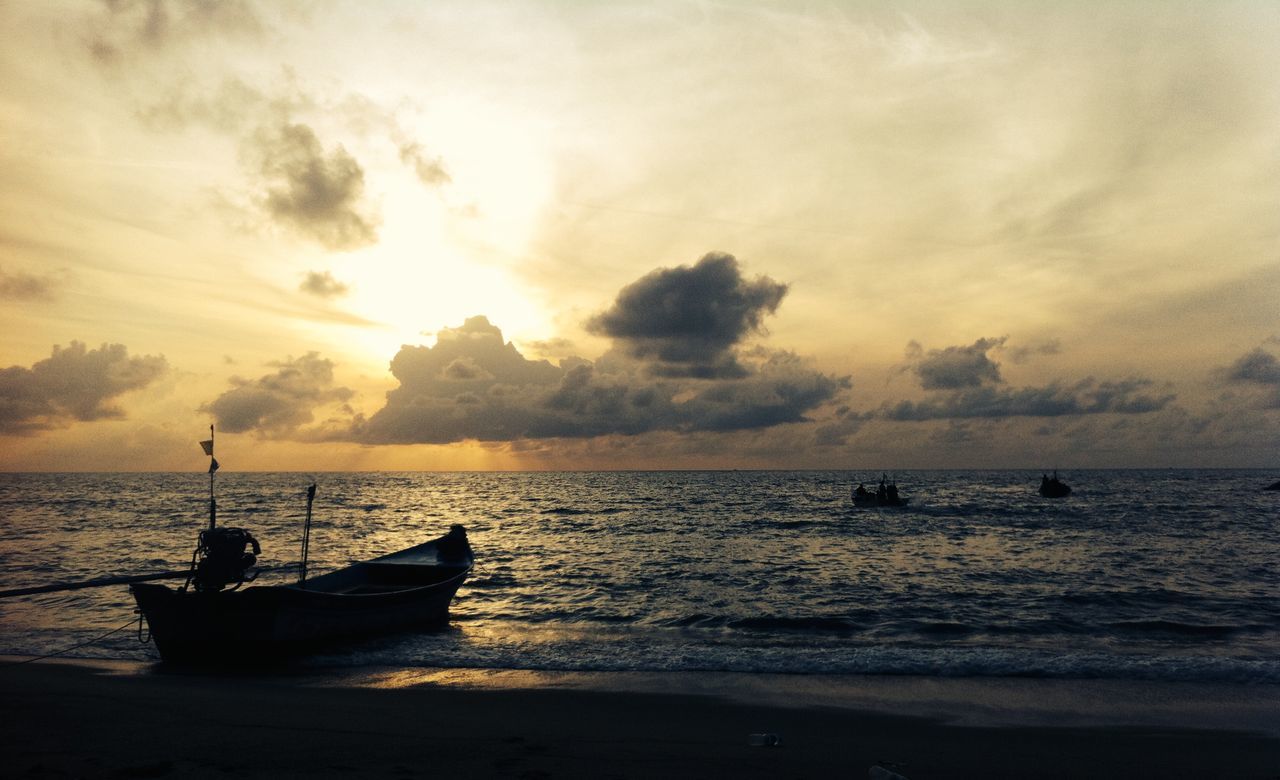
(669,234)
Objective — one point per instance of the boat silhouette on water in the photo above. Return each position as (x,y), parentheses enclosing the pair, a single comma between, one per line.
(885,494)
(408,589)
(1052,487)
(211,619)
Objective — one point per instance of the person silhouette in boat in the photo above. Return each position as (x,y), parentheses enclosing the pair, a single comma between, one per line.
(861,492)
(892,493)
(882,492)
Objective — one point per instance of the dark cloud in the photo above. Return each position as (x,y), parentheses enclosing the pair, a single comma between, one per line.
(430,170)
(1258,368)
(686,320)
(847,422)
(473,385)
(26,287)
(1085,397)
(954,368)
(278,403)
(315,193)
(323,285)
(73,384)
(963,382)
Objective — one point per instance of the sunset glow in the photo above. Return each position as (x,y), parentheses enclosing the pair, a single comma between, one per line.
(549,235)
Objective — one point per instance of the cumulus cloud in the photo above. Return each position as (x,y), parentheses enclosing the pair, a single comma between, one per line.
(314,192)
(687,320)
(473,385)
(953,368)
(323,285)
(25,287)
(1258,368)
(279,403)
(75,383)
(964,382)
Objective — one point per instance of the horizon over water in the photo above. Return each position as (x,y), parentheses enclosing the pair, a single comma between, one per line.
(1157,574)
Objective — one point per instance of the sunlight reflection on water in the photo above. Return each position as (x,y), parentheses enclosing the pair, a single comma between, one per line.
(1135,575)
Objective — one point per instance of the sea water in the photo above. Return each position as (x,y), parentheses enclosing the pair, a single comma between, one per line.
(1142,575)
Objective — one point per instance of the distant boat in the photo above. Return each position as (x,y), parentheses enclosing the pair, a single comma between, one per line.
(1273,486)
(885,494)
(411,588)
(1052,487)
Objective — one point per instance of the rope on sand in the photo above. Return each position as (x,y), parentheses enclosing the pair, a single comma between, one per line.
(69,649)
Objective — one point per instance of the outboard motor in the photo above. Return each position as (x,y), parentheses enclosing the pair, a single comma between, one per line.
(221,559)
(453,547)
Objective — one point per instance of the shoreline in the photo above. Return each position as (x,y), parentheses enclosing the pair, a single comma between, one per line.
(93,718)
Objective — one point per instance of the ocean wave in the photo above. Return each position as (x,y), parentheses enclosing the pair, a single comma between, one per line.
(1175,628)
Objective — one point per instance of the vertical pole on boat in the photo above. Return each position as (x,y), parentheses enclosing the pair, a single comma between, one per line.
(306,533)
(213,466)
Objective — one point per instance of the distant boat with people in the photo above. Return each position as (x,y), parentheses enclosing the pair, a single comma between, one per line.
(885,494)
(1052,487)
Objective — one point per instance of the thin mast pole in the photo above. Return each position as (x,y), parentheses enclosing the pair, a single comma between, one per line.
(306,533)
(213,505)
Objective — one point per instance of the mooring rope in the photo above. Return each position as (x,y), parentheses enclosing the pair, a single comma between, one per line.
(69,649)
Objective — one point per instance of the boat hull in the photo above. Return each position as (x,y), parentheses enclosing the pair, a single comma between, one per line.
(409,589)
(265,623)
(871,500)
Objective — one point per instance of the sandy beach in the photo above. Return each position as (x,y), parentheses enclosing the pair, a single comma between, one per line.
(125,720)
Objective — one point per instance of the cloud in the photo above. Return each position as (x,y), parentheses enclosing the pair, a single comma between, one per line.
(552,347)
(131,25)
(1023,353)
(688,319)
(963,382)
(1087,396)
(315,193)
(323,285)
(1259,368)
(280,403)
(73,384)
(25,287)
(956,367)
(430,170)
(847,422)
(473,385)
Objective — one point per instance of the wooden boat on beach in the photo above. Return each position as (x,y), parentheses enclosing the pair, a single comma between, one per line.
(211,620)
(408,589)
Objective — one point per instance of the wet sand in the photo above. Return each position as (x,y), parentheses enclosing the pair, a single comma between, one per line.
(103,719)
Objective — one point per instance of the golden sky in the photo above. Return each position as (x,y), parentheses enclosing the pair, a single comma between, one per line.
(531,235)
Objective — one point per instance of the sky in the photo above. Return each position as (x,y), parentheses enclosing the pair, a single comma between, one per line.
(638,235)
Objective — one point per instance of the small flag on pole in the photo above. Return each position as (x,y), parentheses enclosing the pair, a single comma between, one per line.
(208,447)
(213,466)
